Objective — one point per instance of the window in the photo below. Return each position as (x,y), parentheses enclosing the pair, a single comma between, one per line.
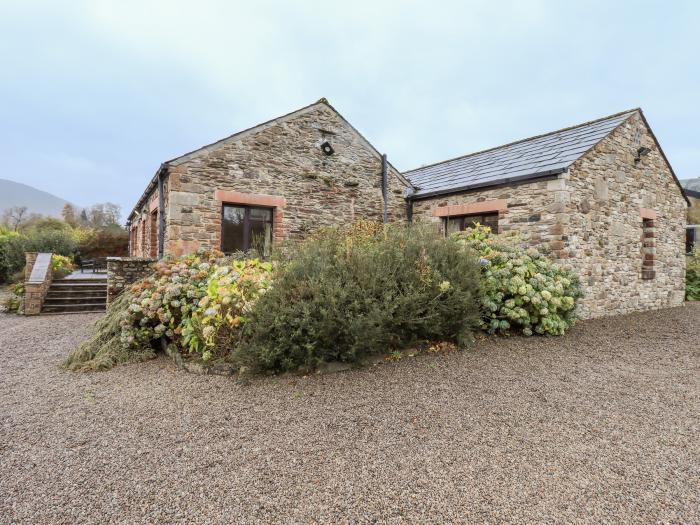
(648,248)
(691,235)
(461,223)
(246,228)
(153,248)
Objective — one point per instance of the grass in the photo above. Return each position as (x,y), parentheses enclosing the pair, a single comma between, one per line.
(105,349)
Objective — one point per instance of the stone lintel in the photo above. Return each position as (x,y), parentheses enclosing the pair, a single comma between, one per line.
(251,199)
(474,208)
(647,213)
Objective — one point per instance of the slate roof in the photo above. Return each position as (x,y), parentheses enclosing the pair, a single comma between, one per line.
(531,158)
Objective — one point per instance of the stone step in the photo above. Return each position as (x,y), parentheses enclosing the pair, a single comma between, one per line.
(77,289)
(66,296)
(73,308)
(67,299)
(61,284)
(80,281)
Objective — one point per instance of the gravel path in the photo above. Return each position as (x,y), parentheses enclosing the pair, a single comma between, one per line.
(598,427)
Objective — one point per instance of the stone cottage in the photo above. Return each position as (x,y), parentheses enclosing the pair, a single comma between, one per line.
(259,187)
(601,197)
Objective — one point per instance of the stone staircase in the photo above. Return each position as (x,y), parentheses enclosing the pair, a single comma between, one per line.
(76,296)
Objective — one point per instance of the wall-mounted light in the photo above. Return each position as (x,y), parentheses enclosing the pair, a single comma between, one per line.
(641,152)
(327,148)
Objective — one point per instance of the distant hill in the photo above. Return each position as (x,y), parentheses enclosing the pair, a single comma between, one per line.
(691,184)
(17,194)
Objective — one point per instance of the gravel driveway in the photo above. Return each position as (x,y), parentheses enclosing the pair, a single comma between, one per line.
(598,427)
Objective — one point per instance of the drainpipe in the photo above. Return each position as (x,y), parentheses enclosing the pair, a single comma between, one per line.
(128,242)
(161,211)
(385,188)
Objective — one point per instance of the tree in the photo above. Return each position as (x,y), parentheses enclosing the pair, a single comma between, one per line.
(69,214)
(14,217)
(103,215)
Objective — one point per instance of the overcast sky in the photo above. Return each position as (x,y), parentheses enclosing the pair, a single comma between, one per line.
(94,95)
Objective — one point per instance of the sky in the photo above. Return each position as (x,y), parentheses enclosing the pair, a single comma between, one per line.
(95,94)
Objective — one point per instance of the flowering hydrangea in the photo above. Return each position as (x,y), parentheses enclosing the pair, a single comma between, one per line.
(198,302)
(522,289)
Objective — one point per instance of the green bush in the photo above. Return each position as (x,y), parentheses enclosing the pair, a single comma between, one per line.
(112,242)
(347,294)
(523,290)
(692,277)
(61,266)
(58,241)
(12,259)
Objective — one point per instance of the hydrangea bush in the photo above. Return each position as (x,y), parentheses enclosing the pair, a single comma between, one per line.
(199,302)
(523,291)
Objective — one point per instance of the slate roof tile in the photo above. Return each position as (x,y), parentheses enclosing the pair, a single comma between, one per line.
(525,159)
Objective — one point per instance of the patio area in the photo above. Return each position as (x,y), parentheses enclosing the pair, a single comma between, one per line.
(87,274)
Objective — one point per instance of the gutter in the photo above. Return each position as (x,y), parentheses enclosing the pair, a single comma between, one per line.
(548,173)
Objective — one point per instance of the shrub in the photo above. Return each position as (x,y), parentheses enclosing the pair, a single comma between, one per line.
(13,301)
(347,294)
(692,276)
(199,301)
(60,241)
(105,349)
(12,259)
(522,289)
(61,266)
(111,242)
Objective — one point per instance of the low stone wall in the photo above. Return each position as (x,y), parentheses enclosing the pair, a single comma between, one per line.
(34,288)
(122,271)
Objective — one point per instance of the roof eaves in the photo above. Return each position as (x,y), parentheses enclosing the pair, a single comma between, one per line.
(508,180)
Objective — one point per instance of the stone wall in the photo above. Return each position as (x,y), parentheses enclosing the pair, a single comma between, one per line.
(591,218)
(609,195)
(529,209)
(123,271)
(281,163)
(34,292)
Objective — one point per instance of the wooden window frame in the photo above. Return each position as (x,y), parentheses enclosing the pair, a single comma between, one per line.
(246,224)
(463,219)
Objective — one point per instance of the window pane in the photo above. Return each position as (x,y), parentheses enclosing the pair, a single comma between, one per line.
(473,220)
(491,221)
(260,237)
(454,224)
(232,229)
